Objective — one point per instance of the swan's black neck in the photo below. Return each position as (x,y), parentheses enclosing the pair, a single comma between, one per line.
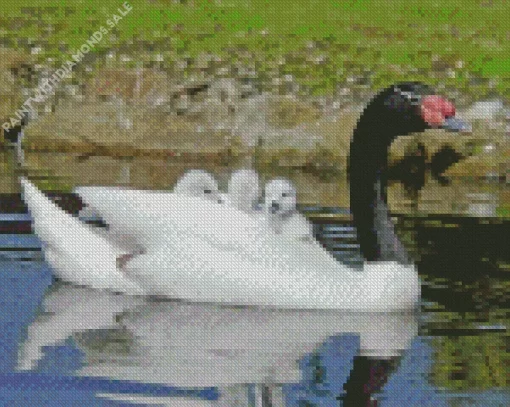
(368,166)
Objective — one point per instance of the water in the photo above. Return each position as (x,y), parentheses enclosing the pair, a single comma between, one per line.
(64,345)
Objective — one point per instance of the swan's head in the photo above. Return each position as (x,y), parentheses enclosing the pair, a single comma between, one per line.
(244,189)
(280,197)
(410,107)
(199,183)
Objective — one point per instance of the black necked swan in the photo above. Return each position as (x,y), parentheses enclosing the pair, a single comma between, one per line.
(200,251)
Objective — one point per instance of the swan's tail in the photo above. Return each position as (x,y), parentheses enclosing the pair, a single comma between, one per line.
(74,250)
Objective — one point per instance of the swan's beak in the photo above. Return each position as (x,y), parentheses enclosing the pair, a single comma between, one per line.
(454,124)
(220,198)
(438,112)
(275,207)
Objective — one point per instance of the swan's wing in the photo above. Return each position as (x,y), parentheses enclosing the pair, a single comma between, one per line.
(298,227)
(197,252)
(76,252)
(155,218)
(190,268)
(149,215)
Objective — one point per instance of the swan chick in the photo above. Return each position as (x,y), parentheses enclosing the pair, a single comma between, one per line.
(244,190)
(198,183)
(280,208)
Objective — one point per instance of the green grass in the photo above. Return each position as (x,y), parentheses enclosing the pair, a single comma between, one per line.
(503,212)
(355,34)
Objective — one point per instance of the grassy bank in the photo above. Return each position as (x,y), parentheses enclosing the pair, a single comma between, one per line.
(462,44)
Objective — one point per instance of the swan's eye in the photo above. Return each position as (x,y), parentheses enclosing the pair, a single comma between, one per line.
(402,99)
(285,195)
(207,191)
(415,100)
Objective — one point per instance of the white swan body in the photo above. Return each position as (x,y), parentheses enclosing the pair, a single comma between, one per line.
(230,278)
(208,252)
(215,253)
(200,251)
(198,183)
(297,227)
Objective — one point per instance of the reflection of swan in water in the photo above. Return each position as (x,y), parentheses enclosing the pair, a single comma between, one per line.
(67,310)
(163,402)
(198,345)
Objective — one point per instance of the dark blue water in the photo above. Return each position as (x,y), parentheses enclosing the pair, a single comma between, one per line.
(66,346)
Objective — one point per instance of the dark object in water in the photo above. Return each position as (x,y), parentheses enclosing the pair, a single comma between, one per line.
(411,170)
(443,159)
